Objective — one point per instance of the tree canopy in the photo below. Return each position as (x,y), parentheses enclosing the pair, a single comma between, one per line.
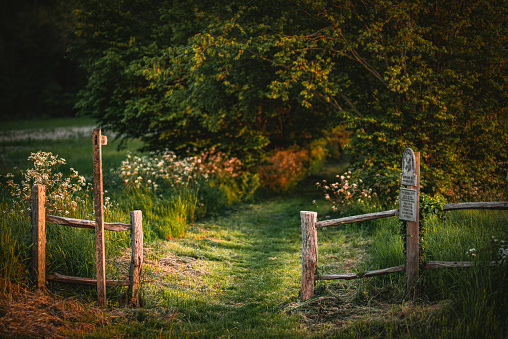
(246,77)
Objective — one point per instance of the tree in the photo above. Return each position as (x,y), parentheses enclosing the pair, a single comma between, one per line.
(245,78)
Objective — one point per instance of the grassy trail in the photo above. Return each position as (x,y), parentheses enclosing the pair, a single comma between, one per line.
(252,260)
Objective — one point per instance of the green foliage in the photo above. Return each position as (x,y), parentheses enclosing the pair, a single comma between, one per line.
(248,77)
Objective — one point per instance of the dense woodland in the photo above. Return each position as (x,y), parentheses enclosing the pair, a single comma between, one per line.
(252,78)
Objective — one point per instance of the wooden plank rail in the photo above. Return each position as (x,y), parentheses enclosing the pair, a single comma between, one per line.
(357,218)
(110,226)
(432,265)
(496,205)
(499,205)
(85,281)
(349,276)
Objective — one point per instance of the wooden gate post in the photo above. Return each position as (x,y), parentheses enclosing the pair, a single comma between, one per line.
(100,248)
(137,257)
(309,253)
(38,222)
(413,236)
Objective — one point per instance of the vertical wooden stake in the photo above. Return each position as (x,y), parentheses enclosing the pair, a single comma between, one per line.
(309,253)
(100,248)
(137,256)
(413,236)
(38,221)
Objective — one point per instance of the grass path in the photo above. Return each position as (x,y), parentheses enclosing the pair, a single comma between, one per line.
(249,264)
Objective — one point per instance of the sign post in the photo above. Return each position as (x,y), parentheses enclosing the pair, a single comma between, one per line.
(409,208)
(100,249)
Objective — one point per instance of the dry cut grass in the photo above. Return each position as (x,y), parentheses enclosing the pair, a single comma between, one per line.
(44,315)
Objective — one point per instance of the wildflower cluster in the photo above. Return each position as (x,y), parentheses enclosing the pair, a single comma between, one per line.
(167,168)
(346,191)
(60,191)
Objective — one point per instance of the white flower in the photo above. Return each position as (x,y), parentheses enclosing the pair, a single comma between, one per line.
(503,253)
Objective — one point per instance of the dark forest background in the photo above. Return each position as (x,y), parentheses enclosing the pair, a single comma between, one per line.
(37,79)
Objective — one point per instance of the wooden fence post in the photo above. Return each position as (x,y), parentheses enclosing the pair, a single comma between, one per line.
(413,236)
(137,256)
(309,253)
(100,247)
(38,221)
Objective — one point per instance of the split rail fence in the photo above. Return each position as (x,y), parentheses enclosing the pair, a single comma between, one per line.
(39,218)
(309,225)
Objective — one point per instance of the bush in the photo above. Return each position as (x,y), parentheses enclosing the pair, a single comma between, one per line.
(287,167)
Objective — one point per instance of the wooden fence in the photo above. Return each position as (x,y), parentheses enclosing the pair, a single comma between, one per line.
(310,245)
(39,218)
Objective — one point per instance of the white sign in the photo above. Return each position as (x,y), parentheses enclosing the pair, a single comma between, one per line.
(408,176)
(407,205)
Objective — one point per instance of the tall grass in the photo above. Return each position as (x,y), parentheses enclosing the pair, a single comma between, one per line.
(165,215)
(15,247)
(478,294)
(69,250)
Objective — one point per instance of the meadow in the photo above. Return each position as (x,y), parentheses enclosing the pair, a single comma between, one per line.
(224,261)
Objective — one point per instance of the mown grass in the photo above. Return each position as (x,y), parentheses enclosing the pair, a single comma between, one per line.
(237,273)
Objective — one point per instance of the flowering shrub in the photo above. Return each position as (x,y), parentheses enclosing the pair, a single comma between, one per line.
(60,191)
(167,169)
(149,172)
(348,190)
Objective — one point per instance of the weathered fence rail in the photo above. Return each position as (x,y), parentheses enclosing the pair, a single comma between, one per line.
(357,218)
(108,226)
(309,225)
